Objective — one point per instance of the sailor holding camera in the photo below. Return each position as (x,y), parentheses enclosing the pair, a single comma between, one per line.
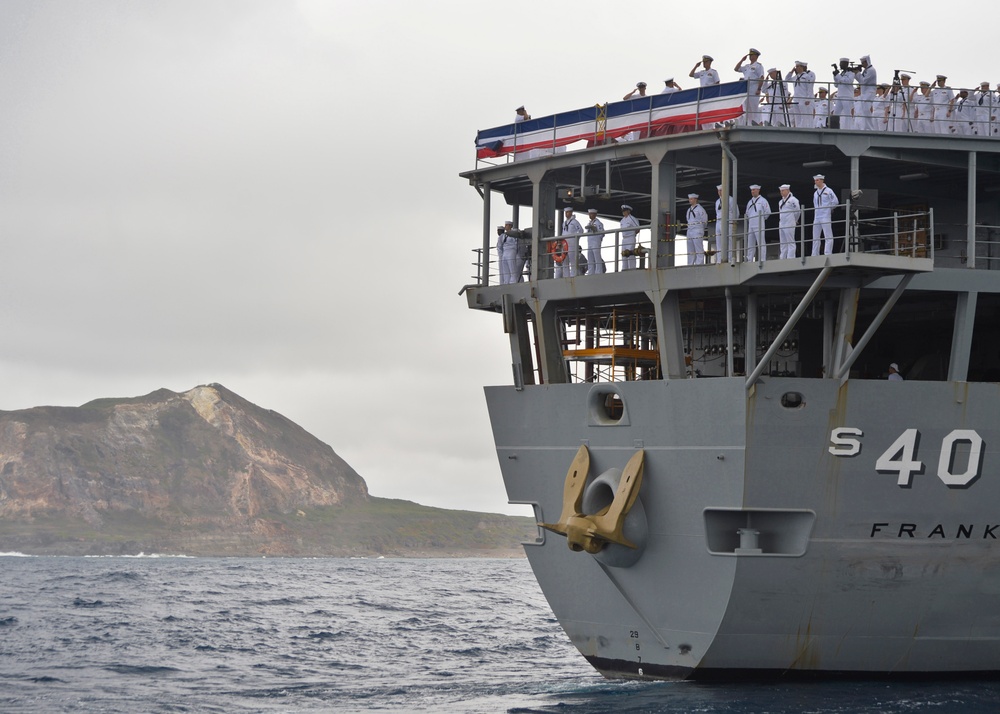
(843,80)
(868,81)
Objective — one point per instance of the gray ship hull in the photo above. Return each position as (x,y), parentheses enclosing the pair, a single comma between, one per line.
(869,553)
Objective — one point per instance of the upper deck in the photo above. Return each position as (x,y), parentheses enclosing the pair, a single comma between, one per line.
(924,206)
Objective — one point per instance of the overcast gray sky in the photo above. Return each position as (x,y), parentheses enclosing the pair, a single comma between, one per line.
(265,193)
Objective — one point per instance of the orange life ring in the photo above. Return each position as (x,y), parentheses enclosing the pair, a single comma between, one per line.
(560,249)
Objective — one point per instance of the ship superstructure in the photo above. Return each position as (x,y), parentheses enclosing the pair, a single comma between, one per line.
(742,489)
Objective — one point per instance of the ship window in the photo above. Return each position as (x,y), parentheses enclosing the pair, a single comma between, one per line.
(792,400)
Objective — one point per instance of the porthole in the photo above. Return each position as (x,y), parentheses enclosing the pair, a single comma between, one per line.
(606,407)
(792,400)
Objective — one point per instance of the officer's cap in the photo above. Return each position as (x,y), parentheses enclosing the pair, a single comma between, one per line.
(626,207)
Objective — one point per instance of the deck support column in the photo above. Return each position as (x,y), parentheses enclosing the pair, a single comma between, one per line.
(961,338)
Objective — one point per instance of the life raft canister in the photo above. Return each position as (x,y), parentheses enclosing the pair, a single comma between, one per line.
(560,249)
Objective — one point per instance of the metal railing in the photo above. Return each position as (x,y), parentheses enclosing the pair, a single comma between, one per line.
(900,109)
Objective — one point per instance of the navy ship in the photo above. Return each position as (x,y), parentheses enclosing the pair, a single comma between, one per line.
(766,467)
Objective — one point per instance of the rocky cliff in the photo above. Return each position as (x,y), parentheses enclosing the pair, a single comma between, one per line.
(199,472)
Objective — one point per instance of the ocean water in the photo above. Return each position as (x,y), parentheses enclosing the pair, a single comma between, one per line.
(170,634)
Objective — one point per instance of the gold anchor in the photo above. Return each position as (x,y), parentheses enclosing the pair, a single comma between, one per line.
(591,532)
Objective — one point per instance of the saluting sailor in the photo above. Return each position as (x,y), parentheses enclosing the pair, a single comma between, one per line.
(802,79)
(697,219)
(630,230)
(824,199)
(758,209)
(789,210)
(941,98)
(595,264)
(707,76)
(921,109)
(775,113)
(985,105)
(753,75)
(670,86)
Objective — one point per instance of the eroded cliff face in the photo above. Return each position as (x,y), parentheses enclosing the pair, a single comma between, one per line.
(206,457)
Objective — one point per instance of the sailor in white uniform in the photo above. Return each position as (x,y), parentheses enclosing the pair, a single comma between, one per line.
(501,263)
(801,79)
(789,211)
(706,77)
(508,255)
(595,264)
(630,230)
(697,219)
(921,109)
(942,98)
(864,112)
(824,199)
(753,74)
(734,214)
(843,80)
(962,114)
(571,232)
(821,109)
(775,112)
(984,104)
(757,211)
(670,86)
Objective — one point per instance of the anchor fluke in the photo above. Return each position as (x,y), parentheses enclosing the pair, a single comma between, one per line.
(592,532)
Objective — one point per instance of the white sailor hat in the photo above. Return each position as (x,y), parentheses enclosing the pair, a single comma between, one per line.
(708,57)
(640,84)
(753,51)
(866,58)
(668,81)
(984,84)
(719,187)
(894,366)
(568,209)
(692,195)
(845,59)
(508,223)
(819,177)
(591,210)
(801,63)
(785,186)
(755,186)
(520,108)
(626,207)
(773,69)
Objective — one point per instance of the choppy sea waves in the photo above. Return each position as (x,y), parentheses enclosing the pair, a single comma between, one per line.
(172,634)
